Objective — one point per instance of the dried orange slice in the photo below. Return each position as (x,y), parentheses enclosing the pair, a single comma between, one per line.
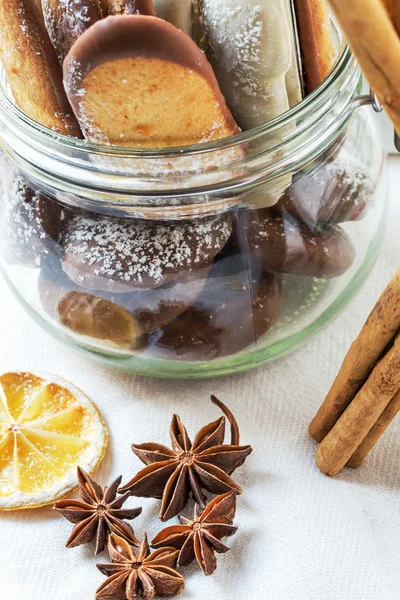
(47,428)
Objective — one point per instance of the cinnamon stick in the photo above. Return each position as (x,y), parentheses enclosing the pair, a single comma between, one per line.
(361,415)
(376,45)
(378,429)
(378,331)
(393,9)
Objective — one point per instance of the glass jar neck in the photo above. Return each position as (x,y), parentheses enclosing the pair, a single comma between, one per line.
(179,182)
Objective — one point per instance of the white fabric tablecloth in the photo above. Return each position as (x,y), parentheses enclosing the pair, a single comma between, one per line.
(301,535)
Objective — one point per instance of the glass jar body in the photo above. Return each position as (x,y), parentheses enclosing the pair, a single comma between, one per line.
(186,283)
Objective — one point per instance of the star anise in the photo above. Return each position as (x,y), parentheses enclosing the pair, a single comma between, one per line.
(133,573)
(201,538)
(98,514)
(204,465)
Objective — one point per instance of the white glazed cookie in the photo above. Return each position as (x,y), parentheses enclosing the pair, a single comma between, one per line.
(250,46)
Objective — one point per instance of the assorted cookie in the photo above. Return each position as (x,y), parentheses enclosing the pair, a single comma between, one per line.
(138,74)
(266,55)
(32,67)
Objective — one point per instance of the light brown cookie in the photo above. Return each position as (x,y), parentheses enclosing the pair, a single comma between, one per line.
(122,255)
(136,80)
(316,41)
(284,245)
(32,67)
(66,20)
(128,7)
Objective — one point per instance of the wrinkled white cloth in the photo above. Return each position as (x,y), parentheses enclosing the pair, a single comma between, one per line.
(301,535)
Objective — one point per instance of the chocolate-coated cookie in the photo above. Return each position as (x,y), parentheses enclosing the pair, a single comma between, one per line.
(32,224)
(120,318)
(284,245)
(333,192)
(236,307)
(123,255)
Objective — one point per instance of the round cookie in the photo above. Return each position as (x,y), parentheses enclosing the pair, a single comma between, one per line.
(159,84)
(284,245)
(236,307)
(124,319)
(331,193)
(124,255)
(32,224)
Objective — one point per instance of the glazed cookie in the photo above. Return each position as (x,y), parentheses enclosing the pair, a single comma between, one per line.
(333,192)
(124,255)
(32,67)
(284,245)
(32,224)
(119,318)
(266,54)
(66,20)
(234,310)
(128,7)
(250,46)
(159,84)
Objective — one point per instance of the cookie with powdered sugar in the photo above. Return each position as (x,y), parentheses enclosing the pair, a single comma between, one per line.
(267,54)
(138,81)
(332,192)
(32,67)
(122,255)
(66,20)
(128,7)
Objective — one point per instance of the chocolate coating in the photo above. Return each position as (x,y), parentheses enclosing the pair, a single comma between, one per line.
(331,193)
(66,20)
(236,307)
(284,245)
(123,255)
(32,224)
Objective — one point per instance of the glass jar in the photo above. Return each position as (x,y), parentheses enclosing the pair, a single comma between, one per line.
(201,260)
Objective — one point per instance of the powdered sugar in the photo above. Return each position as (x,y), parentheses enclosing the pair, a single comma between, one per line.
(66,20)
(139,254)
(250,47)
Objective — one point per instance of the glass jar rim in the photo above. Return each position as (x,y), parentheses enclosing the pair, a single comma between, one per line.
(299,112)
